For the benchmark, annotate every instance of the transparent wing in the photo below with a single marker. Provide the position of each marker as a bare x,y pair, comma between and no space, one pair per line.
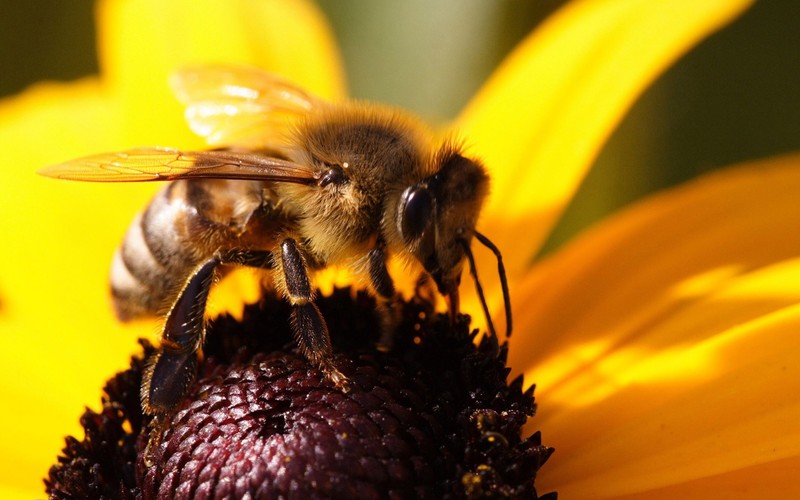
164,164
239,104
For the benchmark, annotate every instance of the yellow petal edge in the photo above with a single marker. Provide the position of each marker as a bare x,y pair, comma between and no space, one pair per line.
542,118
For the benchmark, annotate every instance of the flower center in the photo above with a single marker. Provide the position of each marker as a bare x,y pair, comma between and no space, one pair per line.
433,416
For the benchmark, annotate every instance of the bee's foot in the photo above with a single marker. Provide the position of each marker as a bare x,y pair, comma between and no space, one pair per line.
156,428
338,378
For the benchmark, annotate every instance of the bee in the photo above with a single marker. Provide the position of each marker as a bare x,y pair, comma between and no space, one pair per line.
298,184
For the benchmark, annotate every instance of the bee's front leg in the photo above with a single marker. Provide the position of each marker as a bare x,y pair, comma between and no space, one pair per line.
308,325
382,283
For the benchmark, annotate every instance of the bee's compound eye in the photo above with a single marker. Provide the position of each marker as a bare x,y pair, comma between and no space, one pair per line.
334,175
416,212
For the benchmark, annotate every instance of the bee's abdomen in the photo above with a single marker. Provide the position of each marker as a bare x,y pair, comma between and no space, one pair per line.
148,269
185,224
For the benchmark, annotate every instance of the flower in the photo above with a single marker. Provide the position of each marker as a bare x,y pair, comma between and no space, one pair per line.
668,327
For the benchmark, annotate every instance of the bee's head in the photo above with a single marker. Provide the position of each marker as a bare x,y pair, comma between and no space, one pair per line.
436,220
436,217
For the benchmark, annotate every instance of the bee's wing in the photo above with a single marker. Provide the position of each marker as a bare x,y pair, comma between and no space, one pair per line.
163,164
238,104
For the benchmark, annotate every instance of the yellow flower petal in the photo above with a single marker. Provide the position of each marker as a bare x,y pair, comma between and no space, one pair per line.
632,269
54,274
766,480
681,415
542,118
663,340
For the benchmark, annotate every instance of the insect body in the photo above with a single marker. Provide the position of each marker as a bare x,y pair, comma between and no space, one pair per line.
309,184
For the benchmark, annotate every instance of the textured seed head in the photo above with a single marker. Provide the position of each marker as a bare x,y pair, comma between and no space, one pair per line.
433,417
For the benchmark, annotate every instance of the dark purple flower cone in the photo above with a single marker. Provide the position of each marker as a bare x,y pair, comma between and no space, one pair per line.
432,418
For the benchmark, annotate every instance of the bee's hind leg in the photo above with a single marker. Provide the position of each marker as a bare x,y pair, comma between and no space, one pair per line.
308,325
170,372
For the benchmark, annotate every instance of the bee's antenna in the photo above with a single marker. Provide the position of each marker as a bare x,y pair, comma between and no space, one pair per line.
474,271
501,271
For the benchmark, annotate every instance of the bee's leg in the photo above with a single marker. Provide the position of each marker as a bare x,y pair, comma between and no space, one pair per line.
384,289
308,325
171,370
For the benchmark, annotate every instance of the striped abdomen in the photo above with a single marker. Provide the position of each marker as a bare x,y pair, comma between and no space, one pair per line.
185,223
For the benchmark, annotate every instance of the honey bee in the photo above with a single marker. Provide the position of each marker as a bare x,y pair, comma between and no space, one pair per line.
301,184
